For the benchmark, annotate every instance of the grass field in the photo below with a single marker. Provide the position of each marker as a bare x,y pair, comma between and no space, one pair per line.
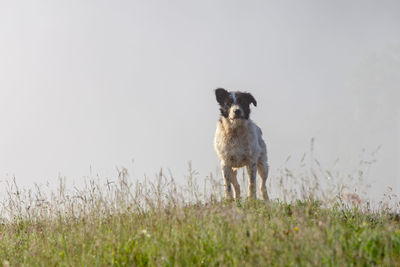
224,234
161,224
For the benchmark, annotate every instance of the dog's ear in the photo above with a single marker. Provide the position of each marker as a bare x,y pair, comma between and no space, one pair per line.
250,99
221,94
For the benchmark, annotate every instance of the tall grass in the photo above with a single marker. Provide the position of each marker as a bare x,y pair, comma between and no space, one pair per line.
312,219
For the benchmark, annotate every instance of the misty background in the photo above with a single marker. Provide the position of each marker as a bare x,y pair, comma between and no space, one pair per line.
88,86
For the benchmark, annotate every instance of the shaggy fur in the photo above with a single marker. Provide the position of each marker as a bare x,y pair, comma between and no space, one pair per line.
238,143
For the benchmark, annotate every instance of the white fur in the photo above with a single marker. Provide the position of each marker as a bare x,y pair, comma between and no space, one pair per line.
233,97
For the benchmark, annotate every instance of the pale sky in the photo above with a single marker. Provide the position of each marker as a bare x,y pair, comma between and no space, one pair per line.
99,84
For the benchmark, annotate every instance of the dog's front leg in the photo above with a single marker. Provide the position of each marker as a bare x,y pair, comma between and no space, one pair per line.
227,173
252,172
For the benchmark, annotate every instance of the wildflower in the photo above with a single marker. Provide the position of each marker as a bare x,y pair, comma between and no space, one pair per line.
296,229
145,233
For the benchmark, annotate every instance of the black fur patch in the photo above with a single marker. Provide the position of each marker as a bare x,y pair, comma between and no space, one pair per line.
225,100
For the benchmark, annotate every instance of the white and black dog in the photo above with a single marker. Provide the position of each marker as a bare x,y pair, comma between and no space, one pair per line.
238,143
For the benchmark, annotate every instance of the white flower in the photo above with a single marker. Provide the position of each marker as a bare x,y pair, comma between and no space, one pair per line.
145,233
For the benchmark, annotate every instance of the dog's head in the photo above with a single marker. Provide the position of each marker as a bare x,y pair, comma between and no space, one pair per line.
234,105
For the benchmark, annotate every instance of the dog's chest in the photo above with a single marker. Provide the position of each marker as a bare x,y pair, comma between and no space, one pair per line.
233,147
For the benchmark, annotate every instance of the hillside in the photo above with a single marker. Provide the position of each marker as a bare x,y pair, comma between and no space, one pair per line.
140,224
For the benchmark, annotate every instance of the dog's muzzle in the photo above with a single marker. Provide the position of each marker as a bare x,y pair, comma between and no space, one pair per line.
235,113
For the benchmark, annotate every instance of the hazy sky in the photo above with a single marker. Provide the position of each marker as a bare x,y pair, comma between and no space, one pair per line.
102,83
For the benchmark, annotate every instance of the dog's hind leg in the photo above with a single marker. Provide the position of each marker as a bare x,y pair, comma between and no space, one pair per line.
235,184
227,173
252,172
263,172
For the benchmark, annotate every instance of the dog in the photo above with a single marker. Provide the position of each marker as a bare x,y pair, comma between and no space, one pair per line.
238,142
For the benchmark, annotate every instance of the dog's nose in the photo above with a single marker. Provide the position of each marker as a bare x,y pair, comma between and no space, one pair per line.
237,112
